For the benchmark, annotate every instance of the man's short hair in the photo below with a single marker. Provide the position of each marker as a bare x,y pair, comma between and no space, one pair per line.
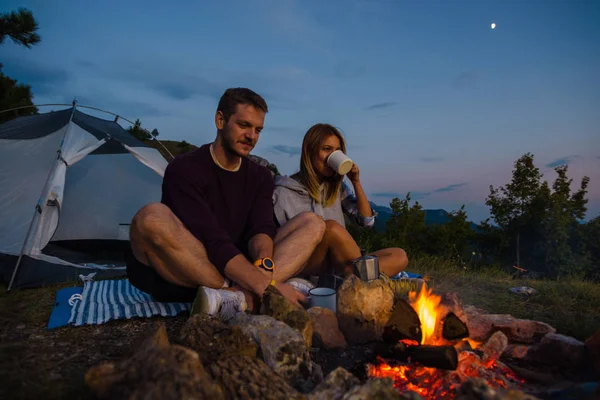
234,96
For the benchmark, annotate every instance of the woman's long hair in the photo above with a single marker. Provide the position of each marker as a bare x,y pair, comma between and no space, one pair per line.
307,176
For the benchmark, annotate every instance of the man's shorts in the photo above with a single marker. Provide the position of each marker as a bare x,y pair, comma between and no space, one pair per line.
148,280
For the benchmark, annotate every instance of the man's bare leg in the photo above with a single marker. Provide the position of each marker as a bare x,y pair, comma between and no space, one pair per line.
161,241
295,242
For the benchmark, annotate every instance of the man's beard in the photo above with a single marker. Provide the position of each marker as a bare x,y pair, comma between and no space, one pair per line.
231,148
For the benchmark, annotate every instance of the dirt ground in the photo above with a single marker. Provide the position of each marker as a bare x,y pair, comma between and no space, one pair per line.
39,363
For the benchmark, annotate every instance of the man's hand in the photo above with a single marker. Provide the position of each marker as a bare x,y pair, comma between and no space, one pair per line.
290,293
354,174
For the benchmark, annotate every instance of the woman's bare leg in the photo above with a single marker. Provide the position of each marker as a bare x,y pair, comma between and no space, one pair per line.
334,253
391,261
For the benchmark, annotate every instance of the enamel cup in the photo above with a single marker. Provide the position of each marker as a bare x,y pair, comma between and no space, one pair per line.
322,297
340,162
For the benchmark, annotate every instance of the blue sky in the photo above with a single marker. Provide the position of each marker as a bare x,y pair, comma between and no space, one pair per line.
430,98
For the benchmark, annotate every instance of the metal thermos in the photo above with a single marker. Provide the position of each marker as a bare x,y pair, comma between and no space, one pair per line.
366,267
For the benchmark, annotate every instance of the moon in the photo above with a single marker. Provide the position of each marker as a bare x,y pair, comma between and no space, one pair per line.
493,25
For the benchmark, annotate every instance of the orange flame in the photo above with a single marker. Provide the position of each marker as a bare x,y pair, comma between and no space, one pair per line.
426,305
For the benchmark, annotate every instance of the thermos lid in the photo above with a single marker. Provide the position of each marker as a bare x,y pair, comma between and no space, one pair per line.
365,257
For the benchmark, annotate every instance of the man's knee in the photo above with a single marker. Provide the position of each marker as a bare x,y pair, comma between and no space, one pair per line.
151,222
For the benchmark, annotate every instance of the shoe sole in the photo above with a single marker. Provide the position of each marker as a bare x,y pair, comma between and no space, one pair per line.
203,303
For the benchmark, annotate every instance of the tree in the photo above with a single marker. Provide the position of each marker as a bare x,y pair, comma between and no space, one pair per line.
13,95
586,241
140,133
451,239
406,227
519,209
20,26
540,226
564,213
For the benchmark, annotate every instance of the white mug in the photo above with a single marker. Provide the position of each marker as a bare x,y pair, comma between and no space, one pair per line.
322,297
340,162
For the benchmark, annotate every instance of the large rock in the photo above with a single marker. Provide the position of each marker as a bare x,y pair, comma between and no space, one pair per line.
275,305
213,339
516,351
375,389
326,332
335,385
283,349
558,350
592,347
250,378
363,309
157,370
482,326
479,389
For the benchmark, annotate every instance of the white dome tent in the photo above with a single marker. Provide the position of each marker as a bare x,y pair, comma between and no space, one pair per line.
70,183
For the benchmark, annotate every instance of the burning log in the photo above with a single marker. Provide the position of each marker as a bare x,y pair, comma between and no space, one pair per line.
404,323
454,328
493,348
440,357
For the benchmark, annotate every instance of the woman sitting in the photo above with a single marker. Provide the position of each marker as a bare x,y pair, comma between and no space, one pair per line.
320,189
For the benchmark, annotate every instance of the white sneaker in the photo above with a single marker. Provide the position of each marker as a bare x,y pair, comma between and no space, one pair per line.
223,303
302,285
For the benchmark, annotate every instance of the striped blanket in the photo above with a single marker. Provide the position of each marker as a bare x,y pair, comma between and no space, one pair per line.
102,301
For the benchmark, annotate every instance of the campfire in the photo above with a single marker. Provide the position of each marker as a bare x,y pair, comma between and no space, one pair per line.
426,349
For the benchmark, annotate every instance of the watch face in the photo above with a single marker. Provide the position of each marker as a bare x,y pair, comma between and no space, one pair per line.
268,263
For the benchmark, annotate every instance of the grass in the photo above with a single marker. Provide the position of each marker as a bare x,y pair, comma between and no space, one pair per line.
571,306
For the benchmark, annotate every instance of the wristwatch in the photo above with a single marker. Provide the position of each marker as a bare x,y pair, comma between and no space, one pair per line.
265,263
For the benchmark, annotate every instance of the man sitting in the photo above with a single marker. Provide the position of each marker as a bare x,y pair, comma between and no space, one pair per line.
214,227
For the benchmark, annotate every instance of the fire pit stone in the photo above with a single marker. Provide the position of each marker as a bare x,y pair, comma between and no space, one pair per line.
277,306
213,339
592,345
283,349
482,326
326,333
156,370
364,308
335,385
558,350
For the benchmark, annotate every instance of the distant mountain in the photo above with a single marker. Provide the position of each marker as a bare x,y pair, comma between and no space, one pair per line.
432,217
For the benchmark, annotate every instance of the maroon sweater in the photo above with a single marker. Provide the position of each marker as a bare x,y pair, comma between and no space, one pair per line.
222,209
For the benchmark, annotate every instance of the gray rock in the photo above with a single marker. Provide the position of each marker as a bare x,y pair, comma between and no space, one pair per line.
559,350
335,385
283,349
375,389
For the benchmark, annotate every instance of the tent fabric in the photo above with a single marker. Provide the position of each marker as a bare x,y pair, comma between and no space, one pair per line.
63,180
34,126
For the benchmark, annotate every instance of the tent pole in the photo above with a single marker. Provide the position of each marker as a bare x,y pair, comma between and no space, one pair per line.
38,206
163,146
